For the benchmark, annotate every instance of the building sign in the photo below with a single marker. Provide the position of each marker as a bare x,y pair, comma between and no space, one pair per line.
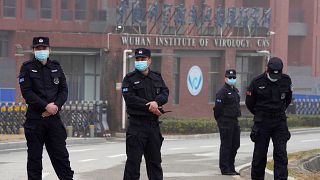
249,19
170,41
194,80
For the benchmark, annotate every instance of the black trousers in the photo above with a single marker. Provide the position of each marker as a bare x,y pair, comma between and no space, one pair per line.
143,138
51,132
230,142
262,131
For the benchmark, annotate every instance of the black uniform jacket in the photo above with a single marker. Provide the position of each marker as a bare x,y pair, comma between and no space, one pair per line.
227,103
41,85
265,98
138,90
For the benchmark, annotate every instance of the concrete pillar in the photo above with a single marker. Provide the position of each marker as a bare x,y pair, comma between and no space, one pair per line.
91,130
230,59
21,130
69,131
279,41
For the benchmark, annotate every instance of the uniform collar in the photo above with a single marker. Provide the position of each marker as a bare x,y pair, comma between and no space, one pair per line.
230,88
39,64
139,74
150,74
268,80
227,86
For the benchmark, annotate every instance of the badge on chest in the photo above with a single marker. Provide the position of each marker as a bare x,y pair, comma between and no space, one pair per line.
56,80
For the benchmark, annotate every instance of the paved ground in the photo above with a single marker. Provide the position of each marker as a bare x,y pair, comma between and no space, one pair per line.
11,137
186,158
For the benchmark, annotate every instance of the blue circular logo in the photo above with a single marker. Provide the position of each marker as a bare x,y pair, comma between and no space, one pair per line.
195,80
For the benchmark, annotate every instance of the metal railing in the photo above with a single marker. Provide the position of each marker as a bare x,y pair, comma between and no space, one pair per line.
307,106
78,117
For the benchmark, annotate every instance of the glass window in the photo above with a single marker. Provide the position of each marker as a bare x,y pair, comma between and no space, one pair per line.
4,44
156,63
247,68
97,87
92,82
81,7
64,4
214,78
89,87
45,11
176,81
99,12
66,12
242,76
9,8
30,10
29,4
89,65
83,76
98,67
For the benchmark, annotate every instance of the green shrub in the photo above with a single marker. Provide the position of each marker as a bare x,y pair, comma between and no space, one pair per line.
188,126
208,125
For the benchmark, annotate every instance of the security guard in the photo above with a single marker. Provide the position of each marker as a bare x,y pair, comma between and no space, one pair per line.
43,86
144,92
226,112
268,97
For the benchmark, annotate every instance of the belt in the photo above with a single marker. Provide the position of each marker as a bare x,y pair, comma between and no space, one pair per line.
144,119
270,114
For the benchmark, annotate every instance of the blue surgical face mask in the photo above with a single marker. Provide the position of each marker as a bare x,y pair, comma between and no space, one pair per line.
141,65
41,55
231,82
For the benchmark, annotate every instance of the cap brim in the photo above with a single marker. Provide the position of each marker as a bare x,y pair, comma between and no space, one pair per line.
275,76
140,56
37,45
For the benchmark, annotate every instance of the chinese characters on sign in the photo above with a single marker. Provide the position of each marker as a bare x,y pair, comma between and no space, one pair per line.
220,19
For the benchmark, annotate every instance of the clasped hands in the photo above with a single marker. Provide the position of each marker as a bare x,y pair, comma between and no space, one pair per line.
153,107
51,109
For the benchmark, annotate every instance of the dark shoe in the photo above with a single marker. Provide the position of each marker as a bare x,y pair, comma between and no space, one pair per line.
229,173
236,173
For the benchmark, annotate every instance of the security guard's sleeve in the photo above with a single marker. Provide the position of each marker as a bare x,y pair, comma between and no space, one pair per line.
251,98
62,91
218,108
289,94
132,100
30,97
162,97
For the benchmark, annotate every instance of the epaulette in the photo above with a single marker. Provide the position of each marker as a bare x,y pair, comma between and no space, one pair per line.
131,73
157,73
55,62
28,62
258,77
286,76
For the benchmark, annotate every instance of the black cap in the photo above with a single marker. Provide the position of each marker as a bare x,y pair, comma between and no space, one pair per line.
231,73
142,52
275,66
40,41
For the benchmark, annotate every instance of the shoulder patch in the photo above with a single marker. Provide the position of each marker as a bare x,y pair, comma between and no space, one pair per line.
125,89
21,80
